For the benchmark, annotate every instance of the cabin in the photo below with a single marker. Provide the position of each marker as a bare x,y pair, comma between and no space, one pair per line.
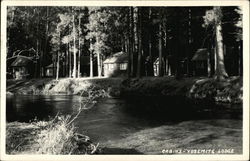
156,66
116,65
49,70
22,68
200,59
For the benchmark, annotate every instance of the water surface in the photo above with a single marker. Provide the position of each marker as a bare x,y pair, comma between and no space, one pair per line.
133,126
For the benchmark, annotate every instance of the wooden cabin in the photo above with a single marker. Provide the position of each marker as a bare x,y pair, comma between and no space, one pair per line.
22,68
200,59
156,66
116,65
49,70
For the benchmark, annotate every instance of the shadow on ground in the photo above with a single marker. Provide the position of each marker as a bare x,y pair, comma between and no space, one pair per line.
119,151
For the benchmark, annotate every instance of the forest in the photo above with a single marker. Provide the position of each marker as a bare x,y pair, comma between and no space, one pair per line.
176,80
162,40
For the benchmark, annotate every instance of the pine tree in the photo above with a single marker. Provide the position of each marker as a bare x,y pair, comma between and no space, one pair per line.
220,72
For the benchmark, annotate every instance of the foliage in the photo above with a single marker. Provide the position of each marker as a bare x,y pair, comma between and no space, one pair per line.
98,31
227,91
175,32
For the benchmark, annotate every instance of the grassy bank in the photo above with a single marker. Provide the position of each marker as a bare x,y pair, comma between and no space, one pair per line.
227,91
51,137
65,86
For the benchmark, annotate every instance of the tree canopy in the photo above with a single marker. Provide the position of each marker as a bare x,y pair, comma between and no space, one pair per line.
62,36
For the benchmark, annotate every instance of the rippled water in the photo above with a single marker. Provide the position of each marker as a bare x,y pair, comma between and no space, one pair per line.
134,125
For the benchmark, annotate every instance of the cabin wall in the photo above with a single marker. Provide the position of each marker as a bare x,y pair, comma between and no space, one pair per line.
200,68
20,73
115,69
49,72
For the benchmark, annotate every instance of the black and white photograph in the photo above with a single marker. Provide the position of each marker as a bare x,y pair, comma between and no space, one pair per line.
121,78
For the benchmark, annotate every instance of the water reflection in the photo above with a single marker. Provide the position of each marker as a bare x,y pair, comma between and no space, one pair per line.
26,108
114,119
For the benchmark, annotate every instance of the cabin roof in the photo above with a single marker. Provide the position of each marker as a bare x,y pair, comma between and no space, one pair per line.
120,57
49,66
21,61
200,55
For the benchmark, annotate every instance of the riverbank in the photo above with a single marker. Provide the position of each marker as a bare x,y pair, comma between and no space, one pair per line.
57,136
227,91
207,89
65,86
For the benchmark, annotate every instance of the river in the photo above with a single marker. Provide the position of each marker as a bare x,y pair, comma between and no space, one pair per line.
132,127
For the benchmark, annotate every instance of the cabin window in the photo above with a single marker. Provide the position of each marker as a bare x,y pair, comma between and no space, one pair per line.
111,66
123,66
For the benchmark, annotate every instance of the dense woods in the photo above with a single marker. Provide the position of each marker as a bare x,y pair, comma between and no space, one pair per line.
159,41
165,62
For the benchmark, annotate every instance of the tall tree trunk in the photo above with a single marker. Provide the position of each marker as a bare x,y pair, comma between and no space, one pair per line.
139,61
212,60
37,74
240,67
64,67
98,59
168,67
46,40
131,54
135,16
126,44
209,65
58,58
130,44
91,61
101,64
151,64
79,64
57,66
91,65
123,45
70,62
79,52
189,40
54,66
74,56
215,59
129,59
220,72
165,65
160,50
98,64
37,46
66,61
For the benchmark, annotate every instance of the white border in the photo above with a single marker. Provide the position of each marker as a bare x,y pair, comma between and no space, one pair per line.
243,3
